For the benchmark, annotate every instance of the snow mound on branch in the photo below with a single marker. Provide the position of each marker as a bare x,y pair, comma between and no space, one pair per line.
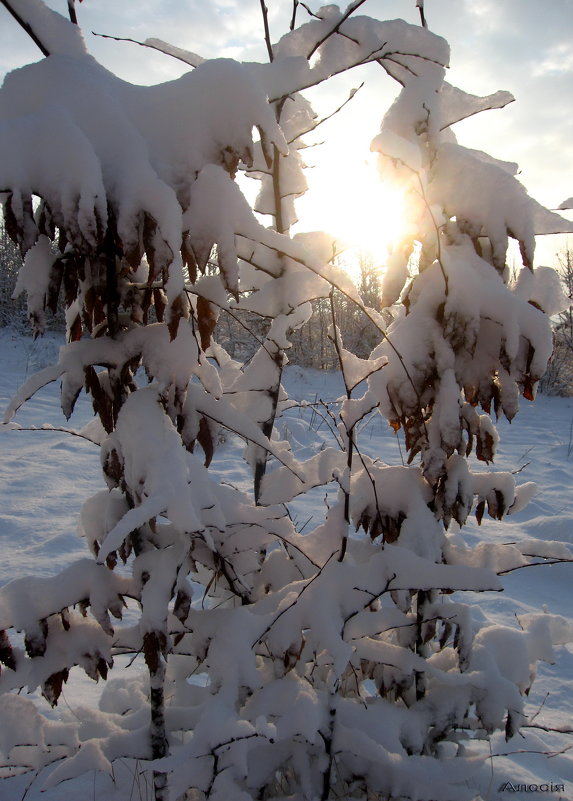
404,50
489,201
58,35
102,145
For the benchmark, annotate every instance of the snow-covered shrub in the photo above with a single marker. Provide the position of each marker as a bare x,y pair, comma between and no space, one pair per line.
280,664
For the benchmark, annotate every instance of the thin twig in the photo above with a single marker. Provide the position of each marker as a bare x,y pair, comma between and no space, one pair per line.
332,426
72,11
328,117
288,542
359,304
308,10
350,10
533,564
296,600
422,194
58,429
374,597
349,431
553,729
36,774
295,4
26,26
372,481
391,57
548,754
265,13
541,705
250,439
190,290
314,79
191,59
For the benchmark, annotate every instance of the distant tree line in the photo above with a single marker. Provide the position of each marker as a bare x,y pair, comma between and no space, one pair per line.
558,380
13,310
241,332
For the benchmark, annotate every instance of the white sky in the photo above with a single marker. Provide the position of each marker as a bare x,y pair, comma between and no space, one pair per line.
524,46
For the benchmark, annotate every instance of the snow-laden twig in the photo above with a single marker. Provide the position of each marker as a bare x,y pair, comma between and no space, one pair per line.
350,297
352,7
295,602
533,564
186,56
315,125
35,35
47,428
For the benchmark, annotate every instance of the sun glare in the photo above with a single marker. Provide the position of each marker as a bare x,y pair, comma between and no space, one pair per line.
365,215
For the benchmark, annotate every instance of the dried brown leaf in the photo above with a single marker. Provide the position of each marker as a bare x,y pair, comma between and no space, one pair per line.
182,605
52,687
206,321
6,653
205,440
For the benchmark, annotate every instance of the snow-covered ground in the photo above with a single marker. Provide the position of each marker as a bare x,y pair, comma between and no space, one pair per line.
45,475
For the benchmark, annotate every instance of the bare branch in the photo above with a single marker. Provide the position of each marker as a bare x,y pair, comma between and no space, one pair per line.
533,564
554,729
190,290
244,436
295,4
532,718
265,13
331,423
59,429
308,10
520,469
420,7
370,477
291,544
373,597
8,4
72,11
548,754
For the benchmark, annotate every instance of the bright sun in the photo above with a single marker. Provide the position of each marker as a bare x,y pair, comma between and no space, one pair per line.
365,215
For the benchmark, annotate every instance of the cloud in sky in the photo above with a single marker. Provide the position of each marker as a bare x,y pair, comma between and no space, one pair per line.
558,59
520,45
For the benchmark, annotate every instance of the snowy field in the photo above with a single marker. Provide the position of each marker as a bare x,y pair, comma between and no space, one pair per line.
45,475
